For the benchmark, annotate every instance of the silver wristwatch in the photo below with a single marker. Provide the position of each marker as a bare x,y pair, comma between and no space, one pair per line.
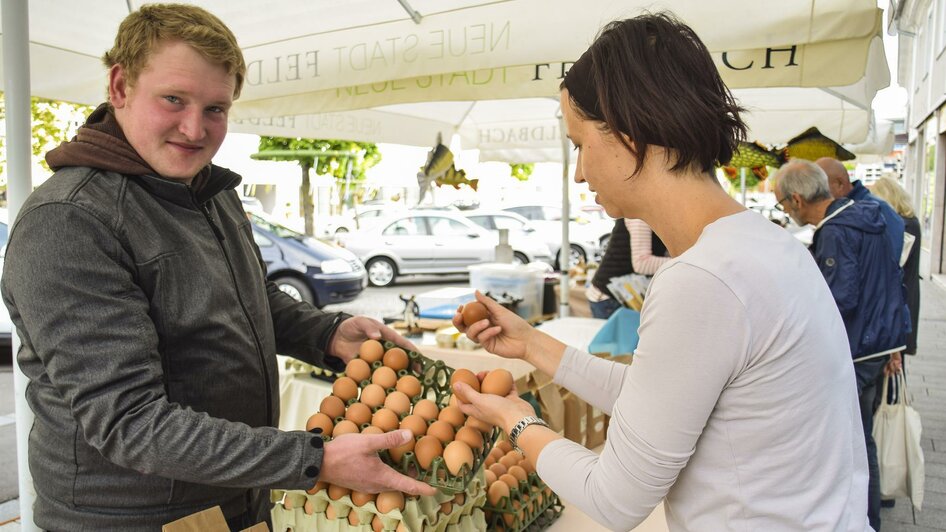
521,426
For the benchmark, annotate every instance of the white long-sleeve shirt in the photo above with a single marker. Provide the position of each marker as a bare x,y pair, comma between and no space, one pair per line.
740,407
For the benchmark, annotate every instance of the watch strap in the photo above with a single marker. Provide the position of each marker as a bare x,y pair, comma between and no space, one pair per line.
521,426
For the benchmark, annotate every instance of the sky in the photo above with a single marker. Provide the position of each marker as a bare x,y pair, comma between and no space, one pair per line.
890,102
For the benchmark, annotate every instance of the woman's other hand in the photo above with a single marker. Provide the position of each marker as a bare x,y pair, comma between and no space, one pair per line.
502,333
503,412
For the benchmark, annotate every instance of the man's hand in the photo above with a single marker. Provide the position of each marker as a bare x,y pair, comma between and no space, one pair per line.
894,365
352,461
355,330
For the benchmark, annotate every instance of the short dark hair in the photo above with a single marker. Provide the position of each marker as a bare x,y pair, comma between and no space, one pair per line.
656,83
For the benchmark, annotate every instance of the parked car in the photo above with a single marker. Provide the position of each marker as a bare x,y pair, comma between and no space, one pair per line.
599,223
519,227
307,268
584,240
362,217
431,242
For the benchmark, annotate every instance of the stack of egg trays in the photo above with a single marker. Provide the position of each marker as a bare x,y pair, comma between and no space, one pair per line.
317,372
434,377
538,508
303,512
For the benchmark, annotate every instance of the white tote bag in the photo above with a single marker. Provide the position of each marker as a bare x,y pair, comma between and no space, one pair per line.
897,432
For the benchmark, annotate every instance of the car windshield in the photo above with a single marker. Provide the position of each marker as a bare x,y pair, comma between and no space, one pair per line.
275,228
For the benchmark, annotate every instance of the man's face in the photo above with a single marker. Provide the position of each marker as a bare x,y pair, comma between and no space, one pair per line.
789,205
175,114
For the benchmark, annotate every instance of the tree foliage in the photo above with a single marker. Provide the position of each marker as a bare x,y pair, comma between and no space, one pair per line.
521,171
53,122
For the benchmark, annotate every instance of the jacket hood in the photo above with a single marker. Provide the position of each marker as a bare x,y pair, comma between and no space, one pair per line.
863,216
100,143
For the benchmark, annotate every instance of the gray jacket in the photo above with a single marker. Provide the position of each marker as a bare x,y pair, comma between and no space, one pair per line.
149,335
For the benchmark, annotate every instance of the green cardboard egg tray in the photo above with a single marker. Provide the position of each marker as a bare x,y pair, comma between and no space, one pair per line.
434,377
541,508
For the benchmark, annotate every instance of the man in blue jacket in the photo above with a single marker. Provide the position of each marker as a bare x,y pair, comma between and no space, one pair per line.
839,182
853,251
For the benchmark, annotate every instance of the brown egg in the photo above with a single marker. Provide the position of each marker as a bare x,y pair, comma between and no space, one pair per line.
504,446
497,490
358,370
527,465
473,312
427,409
359,414
498,469
510,480
457,454
401,527
464,375
508,461
371,350
446,507
398,402
496,453
518,472
497,382
371,429
385,419
353,519
479,425
320,421
345,426
453,401
490,477
308,508
373,395
395,358
471,437
441,430
459,498
337,492
360,498
330,512
426,449
453,416
333,407
409,386
389,501
414,423
376,524
489,459
398,452
345,388
384,377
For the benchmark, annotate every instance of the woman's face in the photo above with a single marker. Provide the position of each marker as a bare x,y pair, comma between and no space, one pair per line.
603,162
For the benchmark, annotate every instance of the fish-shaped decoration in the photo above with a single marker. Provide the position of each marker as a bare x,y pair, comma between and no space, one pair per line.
755,156
439,170
812,145
455,178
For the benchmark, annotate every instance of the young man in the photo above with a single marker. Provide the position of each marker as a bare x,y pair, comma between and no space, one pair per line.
148,329
853,252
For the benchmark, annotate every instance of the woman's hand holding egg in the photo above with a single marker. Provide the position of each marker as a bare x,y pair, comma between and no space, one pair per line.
498,404
499,330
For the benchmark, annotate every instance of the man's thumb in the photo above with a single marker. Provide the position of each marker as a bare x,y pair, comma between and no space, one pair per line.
388,440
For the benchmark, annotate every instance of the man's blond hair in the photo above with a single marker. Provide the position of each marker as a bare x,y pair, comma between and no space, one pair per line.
146,29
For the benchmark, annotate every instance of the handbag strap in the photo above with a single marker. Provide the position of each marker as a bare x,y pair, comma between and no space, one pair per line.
902,388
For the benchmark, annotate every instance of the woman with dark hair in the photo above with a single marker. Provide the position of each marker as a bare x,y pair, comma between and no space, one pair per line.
740,409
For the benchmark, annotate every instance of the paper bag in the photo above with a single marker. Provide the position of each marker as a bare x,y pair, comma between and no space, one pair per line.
209,520
549,396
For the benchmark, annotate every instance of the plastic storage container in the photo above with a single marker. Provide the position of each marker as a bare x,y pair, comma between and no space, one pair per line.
443,302
521,281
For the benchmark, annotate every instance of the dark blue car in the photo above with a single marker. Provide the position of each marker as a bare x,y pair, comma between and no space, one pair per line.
306,268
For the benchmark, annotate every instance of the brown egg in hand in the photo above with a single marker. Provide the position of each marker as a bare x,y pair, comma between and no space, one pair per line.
497,382
473,312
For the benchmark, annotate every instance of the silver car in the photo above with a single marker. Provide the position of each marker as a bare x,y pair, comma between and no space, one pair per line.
431,242
547,220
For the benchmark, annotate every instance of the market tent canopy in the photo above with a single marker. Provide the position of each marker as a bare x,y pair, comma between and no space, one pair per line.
296,47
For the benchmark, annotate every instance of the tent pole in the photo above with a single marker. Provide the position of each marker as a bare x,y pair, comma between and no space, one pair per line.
564,255
16,86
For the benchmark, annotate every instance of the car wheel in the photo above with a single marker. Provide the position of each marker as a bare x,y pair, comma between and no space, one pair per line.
576,255
381,271
341,230
295,288
605,240
519,257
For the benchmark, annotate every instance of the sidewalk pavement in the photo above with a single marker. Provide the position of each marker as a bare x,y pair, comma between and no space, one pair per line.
926,374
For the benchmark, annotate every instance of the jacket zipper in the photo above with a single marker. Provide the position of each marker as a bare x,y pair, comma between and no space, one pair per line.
204,208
